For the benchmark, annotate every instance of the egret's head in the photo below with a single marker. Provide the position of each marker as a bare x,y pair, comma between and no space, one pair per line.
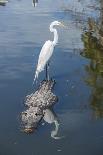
57,23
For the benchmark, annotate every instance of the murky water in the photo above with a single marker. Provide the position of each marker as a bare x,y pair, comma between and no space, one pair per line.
76,65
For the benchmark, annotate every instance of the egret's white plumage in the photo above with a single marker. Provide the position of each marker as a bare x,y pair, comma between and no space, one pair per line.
47,49
44,57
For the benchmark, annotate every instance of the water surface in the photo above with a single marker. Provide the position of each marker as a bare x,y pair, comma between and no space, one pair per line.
76,65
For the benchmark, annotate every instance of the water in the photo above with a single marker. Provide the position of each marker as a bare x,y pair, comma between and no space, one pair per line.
78,73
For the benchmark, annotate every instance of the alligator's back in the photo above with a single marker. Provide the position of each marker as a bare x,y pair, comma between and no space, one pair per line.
36,103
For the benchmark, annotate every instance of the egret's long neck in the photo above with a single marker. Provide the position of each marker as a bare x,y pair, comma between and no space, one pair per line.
52,29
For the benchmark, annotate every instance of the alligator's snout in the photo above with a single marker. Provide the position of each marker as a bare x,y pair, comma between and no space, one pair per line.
28,130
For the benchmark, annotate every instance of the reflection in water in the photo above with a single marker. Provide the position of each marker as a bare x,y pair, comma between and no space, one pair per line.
34,3
93,50
30,119
86,7
37,108
3,2
50,117
22,32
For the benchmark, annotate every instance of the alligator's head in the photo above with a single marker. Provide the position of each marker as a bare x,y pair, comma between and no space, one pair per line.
30,119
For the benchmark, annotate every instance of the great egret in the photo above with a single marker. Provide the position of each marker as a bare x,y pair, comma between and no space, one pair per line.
47,50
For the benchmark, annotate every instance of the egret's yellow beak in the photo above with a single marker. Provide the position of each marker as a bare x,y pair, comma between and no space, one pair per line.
62,24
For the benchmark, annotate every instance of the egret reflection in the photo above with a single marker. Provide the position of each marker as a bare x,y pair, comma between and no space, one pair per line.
51,118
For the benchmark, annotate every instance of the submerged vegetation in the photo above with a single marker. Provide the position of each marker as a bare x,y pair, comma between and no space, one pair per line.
93,50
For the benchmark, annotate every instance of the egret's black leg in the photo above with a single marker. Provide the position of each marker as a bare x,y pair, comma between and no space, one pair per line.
47,71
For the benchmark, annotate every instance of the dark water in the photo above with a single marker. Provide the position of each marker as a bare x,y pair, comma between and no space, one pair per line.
76,65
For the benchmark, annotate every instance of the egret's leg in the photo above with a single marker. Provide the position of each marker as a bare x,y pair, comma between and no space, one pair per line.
47,71
48,78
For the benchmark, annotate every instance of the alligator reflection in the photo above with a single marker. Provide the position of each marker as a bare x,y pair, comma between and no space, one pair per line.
93,50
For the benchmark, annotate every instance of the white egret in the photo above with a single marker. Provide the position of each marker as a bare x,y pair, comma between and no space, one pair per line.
47,51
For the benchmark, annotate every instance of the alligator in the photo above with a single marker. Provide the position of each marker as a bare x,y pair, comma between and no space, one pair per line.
36,104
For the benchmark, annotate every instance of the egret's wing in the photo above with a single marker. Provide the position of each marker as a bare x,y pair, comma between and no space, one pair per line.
45,54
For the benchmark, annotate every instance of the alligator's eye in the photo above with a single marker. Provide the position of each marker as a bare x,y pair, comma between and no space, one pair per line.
25,113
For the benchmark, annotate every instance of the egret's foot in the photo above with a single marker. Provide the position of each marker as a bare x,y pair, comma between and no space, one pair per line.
53,80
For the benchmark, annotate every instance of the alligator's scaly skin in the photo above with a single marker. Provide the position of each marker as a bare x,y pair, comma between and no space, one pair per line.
36,104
